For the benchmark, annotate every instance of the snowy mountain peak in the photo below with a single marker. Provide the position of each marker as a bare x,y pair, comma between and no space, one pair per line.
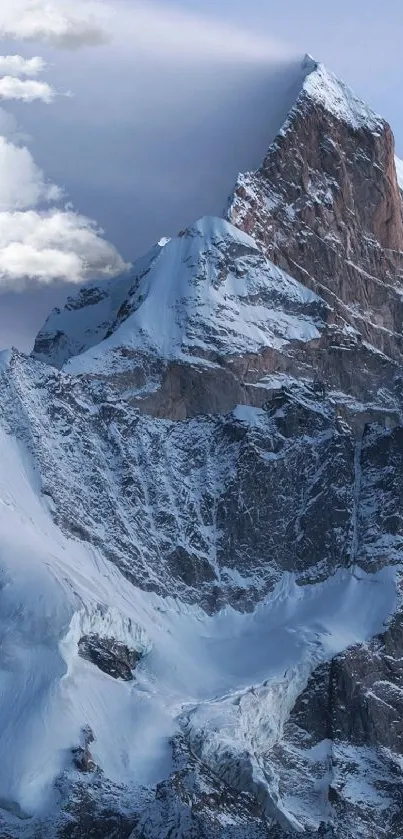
208,292
324,88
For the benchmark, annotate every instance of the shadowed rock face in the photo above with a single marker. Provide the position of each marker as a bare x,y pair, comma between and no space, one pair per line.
330,191
348,722
252,432
82,757
112,657
326,206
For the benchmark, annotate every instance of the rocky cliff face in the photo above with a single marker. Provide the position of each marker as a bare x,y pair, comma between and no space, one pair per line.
326,206
201,518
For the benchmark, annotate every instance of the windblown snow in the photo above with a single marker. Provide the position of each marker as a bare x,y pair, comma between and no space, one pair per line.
228,678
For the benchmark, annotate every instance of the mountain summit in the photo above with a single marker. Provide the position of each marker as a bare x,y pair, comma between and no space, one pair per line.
201,517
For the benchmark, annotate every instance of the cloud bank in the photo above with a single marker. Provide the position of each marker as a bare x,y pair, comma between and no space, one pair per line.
40,241
13,85
44,245
54,245
63,23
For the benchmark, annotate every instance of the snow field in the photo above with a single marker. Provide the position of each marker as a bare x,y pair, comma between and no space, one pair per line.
227,681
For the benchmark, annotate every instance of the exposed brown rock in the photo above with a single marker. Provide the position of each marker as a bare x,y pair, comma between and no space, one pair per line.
82,757
325,206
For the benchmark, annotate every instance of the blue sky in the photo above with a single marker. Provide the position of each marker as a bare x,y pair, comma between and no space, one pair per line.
359,39
169,105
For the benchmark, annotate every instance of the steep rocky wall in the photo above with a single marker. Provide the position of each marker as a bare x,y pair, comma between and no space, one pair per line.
325,205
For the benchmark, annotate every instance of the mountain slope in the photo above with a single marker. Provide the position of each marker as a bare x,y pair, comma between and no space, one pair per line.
235,673
209,291
193,315
201,518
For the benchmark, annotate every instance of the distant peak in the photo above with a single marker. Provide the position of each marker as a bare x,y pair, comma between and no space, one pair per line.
326,89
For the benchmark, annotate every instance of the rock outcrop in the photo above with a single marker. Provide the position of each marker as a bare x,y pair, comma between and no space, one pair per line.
111,656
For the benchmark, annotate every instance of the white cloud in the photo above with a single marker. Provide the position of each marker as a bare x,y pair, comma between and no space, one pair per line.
57,245
44,245
62,23
39,244
17,66
22,183
26,90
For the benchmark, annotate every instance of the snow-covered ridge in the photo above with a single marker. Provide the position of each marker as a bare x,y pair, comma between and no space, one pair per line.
335,96
89,314
210,290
